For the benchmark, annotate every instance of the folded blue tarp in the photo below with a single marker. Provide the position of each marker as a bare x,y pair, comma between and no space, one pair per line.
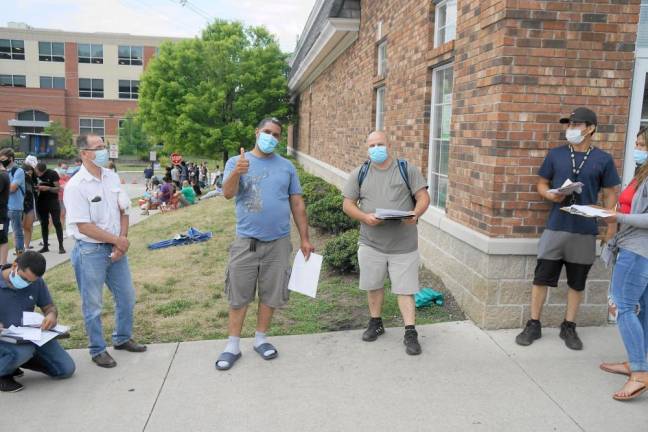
192,236
428,296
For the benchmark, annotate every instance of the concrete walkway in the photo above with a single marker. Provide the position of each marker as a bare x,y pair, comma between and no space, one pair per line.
466,380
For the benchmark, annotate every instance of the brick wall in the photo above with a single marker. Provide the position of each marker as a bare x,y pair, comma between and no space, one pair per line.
519,65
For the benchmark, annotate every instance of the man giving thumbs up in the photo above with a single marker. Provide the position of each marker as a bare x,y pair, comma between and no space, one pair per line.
267,191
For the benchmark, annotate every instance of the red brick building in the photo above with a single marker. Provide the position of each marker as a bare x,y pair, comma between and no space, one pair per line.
86,81
471,93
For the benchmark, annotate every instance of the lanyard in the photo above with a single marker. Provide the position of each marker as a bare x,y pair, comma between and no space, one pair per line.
576,171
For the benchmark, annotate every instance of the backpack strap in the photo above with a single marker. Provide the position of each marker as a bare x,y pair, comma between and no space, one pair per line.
13,172
402,167
362,174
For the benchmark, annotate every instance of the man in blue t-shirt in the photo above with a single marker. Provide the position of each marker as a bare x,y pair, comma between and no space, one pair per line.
570,240
16,202
267,192
22,289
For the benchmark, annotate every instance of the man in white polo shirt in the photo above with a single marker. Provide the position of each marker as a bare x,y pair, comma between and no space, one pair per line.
97,218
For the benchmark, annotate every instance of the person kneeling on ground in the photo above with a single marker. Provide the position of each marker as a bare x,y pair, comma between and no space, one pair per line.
21,289
188,193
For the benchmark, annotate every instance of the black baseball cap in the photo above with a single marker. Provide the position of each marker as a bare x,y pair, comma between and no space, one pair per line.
581,115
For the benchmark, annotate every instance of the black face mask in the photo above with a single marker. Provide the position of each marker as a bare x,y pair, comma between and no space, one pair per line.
5,163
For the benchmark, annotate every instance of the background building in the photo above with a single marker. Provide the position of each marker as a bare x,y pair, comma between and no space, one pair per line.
87,81
471,93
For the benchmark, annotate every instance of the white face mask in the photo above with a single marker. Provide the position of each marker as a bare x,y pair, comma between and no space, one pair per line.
574,136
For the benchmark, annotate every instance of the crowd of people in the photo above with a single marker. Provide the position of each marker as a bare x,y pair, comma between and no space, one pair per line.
268,193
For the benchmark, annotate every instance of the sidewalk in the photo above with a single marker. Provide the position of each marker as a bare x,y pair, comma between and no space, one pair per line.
465,380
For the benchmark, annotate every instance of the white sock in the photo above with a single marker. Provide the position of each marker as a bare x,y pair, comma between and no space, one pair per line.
233,347
260,339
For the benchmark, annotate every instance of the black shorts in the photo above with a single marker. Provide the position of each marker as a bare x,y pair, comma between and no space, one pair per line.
547,273
4,237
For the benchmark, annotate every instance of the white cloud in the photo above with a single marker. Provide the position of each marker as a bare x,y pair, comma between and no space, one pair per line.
284,18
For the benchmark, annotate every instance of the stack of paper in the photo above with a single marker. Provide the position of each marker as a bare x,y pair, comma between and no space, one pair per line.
587,211
31,331
305,274
386,214
568,188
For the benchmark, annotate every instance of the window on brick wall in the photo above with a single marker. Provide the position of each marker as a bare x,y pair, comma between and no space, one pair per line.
91,126
51,51
380,108
128,89
12,81
90,53
52,82
441,114
382,59
445,21
130,55
91,88
11,49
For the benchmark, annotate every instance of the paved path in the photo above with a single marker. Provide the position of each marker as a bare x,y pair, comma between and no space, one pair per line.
466,380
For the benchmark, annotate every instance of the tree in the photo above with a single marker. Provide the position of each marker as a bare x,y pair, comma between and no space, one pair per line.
206,95
132,138
63,141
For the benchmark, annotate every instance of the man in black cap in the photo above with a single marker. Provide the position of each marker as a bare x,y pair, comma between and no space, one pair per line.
570,240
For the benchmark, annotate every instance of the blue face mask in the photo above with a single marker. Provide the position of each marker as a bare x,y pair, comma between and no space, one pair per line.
378,154
640,156
72,170
17,281
101,158
266,142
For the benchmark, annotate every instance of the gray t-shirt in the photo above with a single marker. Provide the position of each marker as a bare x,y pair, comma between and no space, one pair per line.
386,189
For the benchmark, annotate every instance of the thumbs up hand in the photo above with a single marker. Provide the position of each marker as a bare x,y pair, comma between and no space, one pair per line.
242,165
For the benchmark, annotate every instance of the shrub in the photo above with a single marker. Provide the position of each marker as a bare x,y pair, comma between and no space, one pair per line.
327,215
315,190
341,253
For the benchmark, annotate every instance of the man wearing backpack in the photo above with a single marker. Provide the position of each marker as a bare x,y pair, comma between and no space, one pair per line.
16,197
387,246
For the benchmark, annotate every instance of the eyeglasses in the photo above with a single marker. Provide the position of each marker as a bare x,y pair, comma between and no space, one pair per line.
94,149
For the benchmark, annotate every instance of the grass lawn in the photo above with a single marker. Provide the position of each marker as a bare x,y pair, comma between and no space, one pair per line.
180,289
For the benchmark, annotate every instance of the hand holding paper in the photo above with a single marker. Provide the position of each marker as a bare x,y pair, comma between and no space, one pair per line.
568,188
305,274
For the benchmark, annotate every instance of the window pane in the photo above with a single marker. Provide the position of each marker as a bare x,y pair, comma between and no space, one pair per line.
84,84
84,50
58,49
5,45
45,82
137,54
97,84
443,157
85,131
443,192
97,51
434,189
5,80
123,51
442,16
19,80
40,116
18,46
97,123
85,122
59,82
98,131
44,48
124,86
135,86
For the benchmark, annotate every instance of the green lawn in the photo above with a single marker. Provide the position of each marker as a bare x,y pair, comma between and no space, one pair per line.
180,289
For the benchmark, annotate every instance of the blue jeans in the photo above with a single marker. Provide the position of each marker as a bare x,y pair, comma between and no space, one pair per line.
92,268
629,289
51,359
15,216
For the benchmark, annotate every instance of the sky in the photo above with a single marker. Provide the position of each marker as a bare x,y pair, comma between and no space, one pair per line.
284,18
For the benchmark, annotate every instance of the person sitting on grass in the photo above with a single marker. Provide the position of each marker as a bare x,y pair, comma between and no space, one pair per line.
166,194
151,199
179,199
188,192
21,289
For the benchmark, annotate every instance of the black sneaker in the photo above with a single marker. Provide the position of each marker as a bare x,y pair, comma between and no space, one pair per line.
568,334
531,332
18,373
412,346
374,330
43,249
61,249
9,385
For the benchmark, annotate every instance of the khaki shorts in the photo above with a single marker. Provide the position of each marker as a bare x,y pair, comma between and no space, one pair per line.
268,267
403,270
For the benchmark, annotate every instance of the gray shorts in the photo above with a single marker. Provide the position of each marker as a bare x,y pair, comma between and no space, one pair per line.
402,268
268,267
567,247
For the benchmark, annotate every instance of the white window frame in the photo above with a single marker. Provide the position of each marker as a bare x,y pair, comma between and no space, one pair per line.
379,121
93,126
91,59
51,81
17,55
130,94
439,26
382,58
13,80
50,57
432,159
128,61
103,90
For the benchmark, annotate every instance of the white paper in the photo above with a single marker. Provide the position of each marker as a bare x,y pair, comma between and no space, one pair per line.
392,214
586,211
26,333
568,188
31,319
46,336
305,274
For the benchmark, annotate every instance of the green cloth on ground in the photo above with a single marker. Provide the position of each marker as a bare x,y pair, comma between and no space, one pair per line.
189,194
427,297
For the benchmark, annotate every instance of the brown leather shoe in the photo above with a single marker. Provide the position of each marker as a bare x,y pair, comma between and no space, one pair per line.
104,360
131,346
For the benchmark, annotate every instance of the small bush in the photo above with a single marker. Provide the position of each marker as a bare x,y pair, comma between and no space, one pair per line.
315,190
327,215
341,253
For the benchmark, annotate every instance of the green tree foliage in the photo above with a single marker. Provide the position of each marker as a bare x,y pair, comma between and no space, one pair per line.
132,138
62,136
205,96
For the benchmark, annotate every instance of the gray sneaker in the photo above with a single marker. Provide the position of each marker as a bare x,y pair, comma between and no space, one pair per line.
104,360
